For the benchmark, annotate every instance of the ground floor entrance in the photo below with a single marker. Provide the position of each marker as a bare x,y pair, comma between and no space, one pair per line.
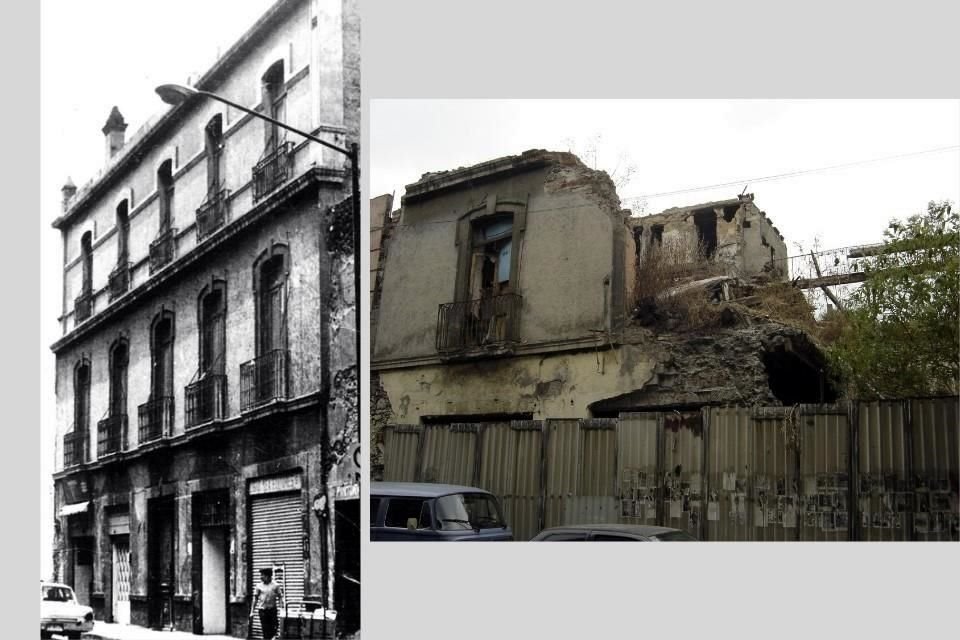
346,586
120,546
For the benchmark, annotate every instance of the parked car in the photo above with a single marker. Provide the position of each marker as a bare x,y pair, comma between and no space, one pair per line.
429,512
613,533
60,612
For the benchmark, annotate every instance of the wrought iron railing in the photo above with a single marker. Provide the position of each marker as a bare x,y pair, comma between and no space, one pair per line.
75,447
119,280
83,306
206,400
156,419
488,322
162,249
112,435
263,379
212,213
272,170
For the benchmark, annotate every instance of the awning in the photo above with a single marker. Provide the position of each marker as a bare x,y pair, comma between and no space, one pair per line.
71,509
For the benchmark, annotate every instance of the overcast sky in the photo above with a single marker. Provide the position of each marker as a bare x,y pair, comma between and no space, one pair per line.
95,55
681,144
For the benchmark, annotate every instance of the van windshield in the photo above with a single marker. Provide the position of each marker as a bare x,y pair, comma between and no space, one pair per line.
469,511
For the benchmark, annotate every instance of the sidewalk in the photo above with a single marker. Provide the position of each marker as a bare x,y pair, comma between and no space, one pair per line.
110,631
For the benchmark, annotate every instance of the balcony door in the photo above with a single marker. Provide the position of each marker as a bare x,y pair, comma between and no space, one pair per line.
161,385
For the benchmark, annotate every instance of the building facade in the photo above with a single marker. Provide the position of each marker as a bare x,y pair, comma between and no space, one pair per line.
206,374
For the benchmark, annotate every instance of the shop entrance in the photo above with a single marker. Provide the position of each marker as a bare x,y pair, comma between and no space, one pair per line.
161,527
346,586
121,579
214,579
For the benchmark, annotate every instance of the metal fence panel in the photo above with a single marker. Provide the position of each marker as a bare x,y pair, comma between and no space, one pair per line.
682,492
773,484
825,487
562,468
449,454
934,427
400,444
637,468
884,498
729,433
510,468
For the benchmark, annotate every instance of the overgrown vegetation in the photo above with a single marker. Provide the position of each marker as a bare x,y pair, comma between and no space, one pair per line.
901,335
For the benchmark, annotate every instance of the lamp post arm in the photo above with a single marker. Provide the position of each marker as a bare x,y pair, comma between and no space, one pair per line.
255,114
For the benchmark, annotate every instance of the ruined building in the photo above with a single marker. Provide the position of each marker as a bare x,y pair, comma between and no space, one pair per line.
516,279
531,337
206,373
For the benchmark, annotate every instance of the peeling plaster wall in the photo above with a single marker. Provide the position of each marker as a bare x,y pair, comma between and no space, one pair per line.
568,246
553,386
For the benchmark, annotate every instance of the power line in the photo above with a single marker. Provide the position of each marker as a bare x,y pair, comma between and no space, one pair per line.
791,174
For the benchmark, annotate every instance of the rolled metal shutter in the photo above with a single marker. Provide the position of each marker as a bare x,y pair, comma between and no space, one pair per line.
277,539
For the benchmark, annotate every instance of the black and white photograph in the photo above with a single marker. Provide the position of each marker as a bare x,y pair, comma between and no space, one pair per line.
201,438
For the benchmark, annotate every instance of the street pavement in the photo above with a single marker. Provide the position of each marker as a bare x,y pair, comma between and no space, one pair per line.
110,631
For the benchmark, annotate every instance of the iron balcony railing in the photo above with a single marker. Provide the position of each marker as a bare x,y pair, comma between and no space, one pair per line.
156,419
112,435
212,213
75,447
263,379
83,306
206,400
119,280
488,322
272,170
162,249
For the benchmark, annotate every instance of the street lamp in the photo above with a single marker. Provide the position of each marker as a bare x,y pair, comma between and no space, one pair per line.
175,94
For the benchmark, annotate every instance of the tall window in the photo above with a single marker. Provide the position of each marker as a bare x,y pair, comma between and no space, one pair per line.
161,339
492,244
274,97
214,148
119,358
272,304
81,396
165,194
123,233
86,254
212,312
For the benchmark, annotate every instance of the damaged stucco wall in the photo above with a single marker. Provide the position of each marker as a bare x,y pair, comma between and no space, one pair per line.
746,240
568,207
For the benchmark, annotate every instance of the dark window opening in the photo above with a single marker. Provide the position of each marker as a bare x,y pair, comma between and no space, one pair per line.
119,360
123,232
86,253
401,510
274,97
656,235
214,148
165,194
272,305
729,212
706,223
212,331
637,238
746,224
81,398
794,379
161,384
492,253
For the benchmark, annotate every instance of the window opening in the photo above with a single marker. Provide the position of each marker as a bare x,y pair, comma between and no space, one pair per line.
706,223
165,194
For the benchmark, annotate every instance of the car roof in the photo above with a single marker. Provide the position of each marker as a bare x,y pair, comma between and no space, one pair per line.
419,489
630,529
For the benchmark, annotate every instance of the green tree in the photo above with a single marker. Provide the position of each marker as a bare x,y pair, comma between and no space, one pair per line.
902,333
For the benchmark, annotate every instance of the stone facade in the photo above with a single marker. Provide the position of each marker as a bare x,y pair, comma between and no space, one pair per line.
274,397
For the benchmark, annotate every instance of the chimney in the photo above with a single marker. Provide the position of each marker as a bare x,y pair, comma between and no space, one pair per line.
113,131
68,189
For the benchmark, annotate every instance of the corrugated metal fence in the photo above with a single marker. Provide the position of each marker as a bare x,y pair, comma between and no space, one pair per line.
854,471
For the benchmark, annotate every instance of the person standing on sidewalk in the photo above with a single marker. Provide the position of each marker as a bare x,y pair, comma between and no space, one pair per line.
267,596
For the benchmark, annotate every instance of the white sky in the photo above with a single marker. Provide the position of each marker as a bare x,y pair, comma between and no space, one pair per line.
95,55
677,144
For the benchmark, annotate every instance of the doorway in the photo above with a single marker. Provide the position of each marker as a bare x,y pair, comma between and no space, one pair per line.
161,527
121,579
213,586
346,588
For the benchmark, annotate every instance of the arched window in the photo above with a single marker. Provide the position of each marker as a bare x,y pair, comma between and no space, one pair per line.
119,359
86,254
265,378
75,443
156,415
123,233
206,395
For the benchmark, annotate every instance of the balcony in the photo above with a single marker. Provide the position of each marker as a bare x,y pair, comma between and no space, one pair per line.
119,280
487,323
263,379
212,213
74,447
156,419
272,170
111,435
83,306
206,400
162,249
